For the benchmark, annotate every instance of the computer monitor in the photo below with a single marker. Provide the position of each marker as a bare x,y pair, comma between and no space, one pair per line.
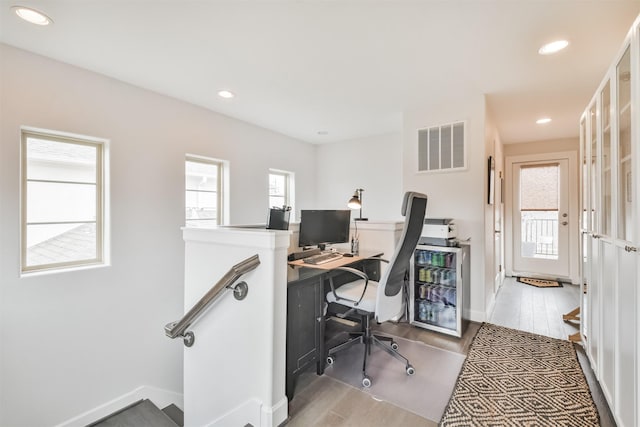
319,227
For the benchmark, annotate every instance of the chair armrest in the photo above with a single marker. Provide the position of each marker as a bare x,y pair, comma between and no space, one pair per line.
375,258
355,272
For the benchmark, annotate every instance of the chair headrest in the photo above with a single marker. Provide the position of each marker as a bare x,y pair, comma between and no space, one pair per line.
410,195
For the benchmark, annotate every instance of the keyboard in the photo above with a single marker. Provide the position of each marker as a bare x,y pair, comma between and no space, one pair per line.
322,258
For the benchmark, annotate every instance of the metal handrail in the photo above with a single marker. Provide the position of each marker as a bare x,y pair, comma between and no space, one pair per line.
178,328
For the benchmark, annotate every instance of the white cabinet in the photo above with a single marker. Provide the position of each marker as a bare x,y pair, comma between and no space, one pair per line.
610,153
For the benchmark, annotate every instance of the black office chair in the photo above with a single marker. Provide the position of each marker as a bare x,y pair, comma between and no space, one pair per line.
383,300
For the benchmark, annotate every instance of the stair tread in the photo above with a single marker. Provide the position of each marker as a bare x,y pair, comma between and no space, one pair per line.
144,413
175,413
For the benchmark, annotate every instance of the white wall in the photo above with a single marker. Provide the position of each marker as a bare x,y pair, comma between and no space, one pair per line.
71,341
373,164
461,194
493,215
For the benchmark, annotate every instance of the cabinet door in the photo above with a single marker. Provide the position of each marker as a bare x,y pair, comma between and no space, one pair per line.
627,264
436,293
626,224
608,250
627,333
303,333
584,227
593,245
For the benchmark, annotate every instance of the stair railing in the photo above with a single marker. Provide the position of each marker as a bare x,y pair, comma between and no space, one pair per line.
240,290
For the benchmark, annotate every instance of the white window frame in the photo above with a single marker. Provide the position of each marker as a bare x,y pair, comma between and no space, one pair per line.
101,198
289,189
222,212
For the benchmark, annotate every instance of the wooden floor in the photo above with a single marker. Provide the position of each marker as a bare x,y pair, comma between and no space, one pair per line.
323,401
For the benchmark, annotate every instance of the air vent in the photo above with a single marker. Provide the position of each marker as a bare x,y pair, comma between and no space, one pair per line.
441,148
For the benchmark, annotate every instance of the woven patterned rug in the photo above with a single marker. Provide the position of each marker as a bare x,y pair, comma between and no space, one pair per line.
515,378
540,283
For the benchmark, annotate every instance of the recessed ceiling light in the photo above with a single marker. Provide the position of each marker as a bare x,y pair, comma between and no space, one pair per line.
543,120
553,47
225,94
31,15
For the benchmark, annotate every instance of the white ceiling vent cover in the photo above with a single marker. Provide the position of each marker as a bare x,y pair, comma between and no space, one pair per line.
442,148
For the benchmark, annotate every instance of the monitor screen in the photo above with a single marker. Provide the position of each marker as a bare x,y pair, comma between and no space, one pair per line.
318,227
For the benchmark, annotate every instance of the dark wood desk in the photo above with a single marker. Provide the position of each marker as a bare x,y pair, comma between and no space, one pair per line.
307,285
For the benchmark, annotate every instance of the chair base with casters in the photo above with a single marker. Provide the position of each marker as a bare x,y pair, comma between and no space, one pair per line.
367,338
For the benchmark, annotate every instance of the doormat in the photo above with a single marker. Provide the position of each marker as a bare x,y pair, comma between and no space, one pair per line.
515,378
540,283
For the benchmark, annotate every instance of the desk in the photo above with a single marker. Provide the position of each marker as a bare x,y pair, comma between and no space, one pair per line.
307,285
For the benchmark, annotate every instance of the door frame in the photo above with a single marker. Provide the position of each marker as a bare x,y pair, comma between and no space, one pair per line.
574,211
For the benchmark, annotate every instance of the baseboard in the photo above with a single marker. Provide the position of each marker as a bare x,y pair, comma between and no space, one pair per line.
492,305
276,415
160,397
477,316
246,413
255,413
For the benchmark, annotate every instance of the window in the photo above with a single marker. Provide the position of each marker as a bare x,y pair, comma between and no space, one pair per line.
204,191
441,148
280,189
62,200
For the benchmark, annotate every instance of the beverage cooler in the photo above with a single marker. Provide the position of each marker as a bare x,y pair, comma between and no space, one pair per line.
439,290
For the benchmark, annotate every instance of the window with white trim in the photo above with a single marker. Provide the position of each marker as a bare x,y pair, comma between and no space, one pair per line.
204,191
62,200
281,189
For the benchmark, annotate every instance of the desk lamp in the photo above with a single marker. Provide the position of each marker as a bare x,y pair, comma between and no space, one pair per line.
356,203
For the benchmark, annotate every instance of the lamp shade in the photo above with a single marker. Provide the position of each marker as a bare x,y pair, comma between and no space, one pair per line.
354,202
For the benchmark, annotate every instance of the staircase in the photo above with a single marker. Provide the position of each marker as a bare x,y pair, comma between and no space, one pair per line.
143,413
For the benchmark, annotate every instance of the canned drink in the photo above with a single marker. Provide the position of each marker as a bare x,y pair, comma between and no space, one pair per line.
427,275
422,291
422,311
446,277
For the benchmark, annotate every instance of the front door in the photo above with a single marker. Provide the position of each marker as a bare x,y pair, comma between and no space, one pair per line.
540,212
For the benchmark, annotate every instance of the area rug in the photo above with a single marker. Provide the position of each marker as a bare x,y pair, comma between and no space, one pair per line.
515,378
424,393
540,283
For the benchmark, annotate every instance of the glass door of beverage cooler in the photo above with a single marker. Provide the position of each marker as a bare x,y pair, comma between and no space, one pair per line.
436,294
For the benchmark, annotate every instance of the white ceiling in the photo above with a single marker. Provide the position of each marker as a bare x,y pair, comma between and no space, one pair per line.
350,68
